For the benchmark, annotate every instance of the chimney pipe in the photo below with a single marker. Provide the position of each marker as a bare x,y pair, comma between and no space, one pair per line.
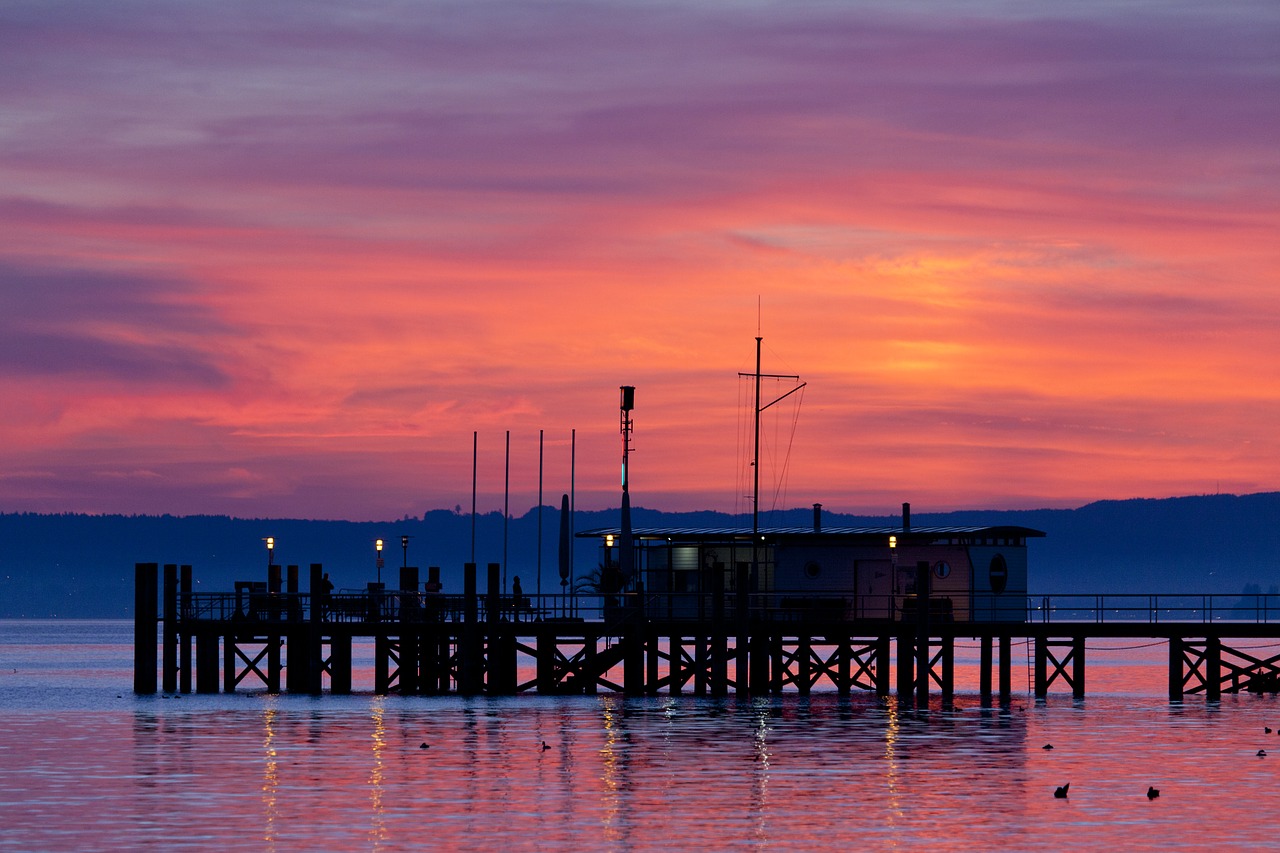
817,518
906,517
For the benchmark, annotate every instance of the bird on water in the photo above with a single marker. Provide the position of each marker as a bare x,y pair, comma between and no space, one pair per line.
1262,753
1152,792
1061,792
1047,746
544,746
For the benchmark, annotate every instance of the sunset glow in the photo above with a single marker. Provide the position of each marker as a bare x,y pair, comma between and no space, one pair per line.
284,259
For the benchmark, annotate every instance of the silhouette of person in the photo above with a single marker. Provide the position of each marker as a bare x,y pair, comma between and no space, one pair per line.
517,594
322,591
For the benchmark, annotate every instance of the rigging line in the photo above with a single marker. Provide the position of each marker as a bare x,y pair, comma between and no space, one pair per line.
786,465
746,391
779,463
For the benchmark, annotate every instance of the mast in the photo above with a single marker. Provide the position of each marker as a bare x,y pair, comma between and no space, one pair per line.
755,459
755,455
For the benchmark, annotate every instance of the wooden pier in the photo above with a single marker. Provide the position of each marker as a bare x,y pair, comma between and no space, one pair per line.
272,635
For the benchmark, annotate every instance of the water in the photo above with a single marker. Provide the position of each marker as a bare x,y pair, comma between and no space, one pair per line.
89,766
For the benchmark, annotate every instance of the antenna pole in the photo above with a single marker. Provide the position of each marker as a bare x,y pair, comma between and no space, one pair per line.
755,456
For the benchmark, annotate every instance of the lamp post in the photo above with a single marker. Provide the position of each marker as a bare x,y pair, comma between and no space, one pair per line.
626,548
404,543
378,545
271,547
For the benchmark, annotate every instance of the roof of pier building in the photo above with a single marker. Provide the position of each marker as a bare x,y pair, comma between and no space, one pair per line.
861,535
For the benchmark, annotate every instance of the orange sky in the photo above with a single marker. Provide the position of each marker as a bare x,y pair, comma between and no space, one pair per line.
284,261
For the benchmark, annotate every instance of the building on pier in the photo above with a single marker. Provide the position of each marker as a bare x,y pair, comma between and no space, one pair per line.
977,573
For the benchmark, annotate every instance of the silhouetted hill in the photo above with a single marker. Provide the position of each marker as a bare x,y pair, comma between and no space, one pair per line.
82,566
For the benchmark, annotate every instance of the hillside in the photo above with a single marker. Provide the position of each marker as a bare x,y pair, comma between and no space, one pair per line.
82,566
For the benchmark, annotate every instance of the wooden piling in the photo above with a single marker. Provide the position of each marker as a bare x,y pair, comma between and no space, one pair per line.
169,648
207,659
469,674
410,626
1006,669
145,624
905,659
1213,668
1176,680
883,651
719,651
742,620
339,661
984,669
923,659
184,635
229,646
273,628
314,650
1077,668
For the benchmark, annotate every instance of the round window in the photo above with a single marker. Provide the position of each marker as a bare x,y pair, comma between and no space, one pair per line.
998,573
941,569
812,570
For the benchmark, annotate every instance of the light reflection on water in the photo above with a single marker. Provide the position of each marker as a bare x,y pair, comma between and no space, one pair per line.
89,766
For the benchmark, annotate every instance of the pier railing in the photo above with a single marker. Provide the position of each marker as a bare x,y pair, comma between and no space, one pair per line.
1173,607
778,606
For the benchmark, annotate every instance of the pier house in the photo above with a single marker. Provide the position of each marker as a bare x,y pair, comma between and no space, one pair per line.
838,573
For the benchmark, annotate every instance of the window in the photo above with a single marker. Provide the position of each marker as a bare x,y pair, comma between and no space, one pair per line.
998,574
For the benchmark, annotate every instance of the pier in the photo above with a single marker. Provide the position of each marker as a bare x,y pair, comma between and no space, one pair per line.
272,635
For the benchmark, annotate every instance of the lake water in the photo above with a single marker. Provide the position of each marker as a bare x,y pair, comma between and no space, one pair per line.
89,766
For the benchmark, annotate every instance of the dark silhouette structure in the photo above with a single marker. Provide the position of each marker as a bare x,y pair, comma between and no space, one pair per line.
710,640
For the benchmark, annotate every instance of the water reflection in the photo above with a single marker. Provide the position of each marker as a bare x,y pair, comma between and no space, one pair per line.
759,807
270,778
288,773
377,826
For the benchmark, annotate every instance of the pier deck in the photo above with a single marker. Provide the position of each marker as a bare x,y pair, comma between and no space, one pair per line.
274,636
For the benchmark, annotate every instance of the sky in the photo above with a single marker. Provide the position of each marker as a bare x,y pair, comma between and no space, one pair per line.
292,259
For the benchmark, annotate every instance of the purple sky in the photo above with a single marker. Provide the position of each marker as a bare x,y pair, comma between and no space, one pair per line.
283,259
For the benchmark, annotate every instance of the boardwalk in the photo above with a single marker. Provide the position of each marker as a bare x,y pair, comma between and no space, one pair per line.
273,635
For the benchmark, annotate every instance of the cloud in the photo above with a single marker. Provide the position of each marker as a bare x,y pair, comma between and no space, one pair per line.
131,329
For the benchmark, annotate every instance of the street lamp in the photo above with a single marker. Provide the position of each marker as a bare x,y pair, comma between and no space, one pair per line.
271,547
404,543
378,544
